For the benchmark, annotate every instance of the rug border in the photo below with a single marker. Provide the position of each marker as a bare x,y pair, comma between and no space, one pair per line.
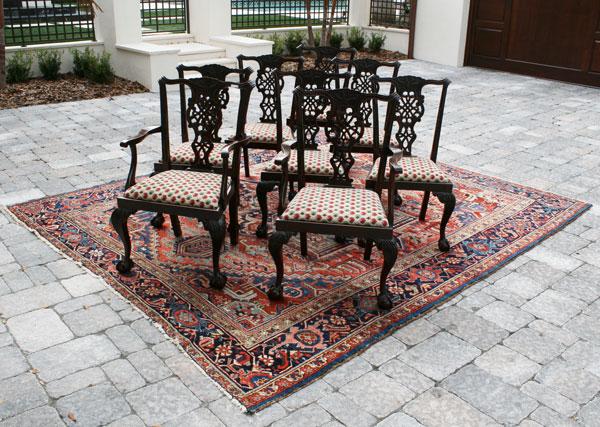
184,343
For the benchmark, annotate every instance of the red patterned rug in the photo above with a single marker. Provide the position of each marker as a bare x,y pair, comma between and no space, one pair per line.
260,351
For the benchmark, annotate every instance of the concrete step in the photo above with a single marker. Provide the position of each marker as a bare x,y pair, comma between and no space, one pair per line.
168,38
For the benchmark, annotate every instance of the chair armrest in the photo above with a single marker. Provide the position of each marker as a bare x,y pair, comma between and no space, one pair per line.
233,143
396,161
141,135
284,155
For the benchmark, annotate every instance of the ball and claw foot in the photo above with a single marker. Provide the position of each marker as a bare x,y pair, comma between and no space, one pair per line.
443,245
157,221
261,231
124,266
340,239
217,281
397,200
384,302
275,293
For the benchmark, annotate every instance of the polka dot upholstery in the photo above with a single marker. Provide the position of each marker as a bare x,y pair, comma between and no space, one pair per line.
266,133
367,139
179,187
351,206
316,162
184,154
415,169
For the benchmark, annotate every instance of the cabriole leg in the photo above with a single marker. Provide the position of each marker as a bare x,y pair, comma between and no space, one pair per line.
424,205
216,229
390,253
449,201
234,221
118,219
246,162
276,242
158,220
262,190
176,226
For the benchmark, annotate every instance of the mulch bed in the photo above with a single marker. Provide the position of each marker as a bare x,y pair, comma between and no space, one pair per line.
67,88
383,56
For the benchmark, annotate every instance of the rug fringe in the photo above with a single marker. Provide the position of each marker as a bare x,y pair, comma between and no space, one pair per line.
16,220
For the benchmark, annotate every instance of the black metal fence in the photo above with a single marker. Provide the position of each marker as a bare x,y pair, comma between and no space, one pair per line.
247,14
390,13
44,21
164,16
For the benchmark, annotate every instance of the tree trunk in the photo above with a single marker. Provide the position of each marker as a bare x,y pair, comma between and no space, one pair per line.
2,48
309,24
324,39
331,18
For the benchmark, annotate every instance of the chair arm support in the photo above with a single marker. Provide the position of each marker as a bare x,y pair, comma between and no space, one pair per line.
396,161
285,153
141,135
281,159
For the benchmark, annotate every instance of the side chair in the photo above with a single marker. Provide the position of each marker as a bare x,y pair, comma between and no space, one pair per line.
203,191
419,173
268,133
338,208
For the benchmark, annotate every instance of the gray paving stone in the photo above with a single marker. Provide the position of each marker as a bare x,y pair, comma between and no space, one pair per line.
550,398
40,275
165,350
406,376
561,335
38,329
77,304
64,359
590,413
92,406
17,280
585,327
5,339
75,382
83,284
581,288
377,393
19,394
149,365
475,301
416,332
348,371
147,331
196,380
123,375
471,328
554,307
399,420
505,315
553,258
130,314
45,416
199,417
12,362
548,418
32,299
307,395
539,348
128,421
126,339
541,272
573,382
33,252
513,368
162,401
309,416
384,350
64,268
490,395
91,320
585,355
346,411
440,355
230,414
515,288
439,408
115,301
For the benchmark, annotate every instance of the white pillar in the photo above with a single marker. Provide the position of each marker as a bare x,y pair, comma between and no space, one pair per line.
441,31
359,13
119,22
209,18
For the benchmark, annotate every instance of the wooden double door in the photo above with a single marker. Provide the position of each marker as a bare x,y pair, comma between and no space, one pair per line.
556,39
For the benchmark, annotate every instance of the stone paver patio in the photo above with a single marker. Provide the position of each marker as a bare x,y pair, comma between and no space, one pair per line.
519,348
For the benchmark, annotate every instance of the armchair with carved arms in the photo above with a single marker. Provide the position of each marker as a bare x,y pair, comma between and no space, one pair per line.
419,173
338,208
269,132
203,191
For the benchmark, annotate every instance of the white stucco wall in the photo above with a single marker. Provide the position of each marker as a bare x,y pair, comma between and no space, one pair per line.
441,31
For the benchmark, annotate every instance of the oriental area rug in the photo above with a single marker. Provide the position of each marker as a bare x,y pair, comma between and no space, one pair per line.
259,351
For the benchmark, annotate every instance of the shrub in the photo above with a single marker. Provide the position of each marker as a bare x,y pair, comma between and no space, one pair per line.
49,62
94,67
357,38
293,39
18,67
376,42
336,40
278,44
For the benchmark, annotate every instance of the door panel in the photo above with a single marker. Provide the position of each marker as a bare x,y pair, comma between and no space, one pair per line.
556,39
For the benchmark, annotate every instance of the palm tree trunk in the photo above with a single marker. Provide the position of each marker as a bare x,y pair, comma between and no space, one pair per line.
2,48
309,24
324,38
331,18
